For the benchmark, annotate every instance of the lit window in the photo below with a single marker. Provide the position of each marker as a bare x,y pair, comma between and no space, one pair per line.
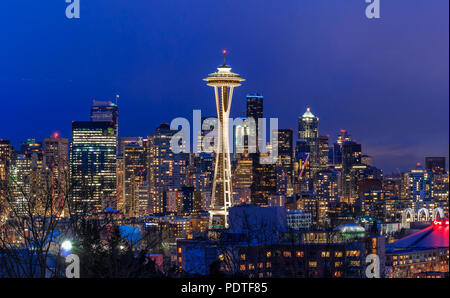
299,254
353,253
242,256
242,267
325,254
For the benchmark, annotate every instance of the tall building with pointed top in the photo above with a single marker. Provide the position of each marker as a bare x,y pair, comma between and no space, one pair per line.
308,131
223,81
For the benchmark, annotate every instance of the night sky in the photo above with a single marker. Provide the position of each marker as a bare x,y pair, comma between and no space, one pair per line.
385,81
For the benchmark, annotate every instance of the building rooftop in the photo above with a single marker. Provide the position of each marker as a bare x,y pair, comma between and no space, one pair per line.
308,113
434,236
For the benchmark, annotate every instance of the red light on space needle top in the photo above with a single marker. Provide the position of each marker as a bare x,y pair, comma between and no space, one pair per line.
56,135
224,52
418,164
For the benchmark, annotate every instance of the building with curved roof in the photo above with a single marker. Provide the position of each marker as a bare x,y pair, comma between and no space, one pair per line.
424,253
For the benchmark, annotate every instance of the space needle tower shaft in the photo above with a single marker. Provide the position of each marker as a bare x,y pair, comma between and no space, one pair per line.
223,81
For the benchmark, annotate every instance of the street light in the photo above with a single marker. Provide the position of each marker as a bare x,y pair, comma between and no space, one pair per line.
66,245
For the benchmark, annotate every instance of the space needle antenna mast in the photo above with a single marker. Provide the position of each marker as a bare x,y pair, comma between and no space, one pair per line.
223,81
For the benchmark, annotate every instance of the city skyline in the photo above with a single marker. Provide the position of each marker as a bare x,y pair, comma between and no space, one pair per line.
344,76
210,142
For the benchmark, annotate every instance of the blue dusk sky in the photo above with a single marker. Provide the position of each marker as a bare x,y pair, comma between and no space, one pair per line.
383,80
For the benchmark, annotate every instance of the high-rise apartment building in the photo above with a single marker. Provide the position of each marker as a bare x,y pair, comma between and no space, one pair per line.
135,170
419,186
56,169
166,169
326,191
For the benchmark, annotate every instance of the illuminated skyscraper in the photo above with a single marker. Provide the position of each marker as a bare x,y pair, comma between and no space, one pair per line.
351,161
419,186
223,81
255,106
5,159
56,168
135,175
324,150
264,180
335,155
31,146
308,130
106,111
440,192
120,178
33,151
93,165
327,194
285,161
21,174
166,170
254,111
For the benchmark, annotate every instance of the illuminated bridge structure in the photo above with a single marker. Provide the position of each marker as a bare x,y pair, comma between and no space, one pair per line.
423,214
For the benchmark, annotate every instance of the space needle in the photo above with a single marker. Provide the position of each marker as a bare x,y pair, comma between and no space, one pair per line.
223,81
